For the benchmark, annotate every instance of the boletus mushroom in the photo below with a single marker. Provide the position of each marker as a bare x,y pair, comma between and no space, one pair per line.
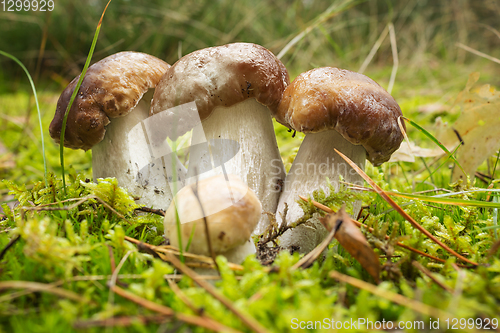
236,88
231,210
113,98
337,109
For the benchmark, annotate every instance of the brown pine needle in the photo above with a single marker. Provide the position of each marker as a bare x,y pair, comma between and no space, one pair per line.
396,207
119,321
412,304
359,224
246,319
166,311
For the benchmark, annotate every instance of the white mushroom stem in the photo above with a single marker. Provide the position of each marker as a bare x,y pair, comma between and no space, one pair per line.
239,253
257,161
315,161
125,155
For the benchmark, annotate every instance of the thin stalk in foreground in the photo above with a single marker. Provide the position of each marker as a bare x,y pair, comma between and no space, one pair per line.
79,83
37,109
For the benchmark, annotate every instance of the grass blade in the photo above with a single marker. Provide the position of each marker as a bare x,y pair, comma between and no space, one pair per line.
436,141
447,201
82,75
37,109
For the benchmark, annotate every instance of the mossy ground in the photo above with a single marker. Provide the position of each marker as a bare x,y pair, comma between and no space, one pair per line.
74,251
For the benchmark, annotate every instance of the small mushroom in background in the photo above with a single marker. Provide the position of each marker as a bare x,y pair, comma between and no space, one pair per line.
231,210
236,88
337,109
113,98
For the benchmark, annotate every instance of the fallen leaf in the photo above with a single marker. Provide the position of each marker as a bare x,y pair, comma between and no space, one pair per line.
478,126
351,239
407,153
433,108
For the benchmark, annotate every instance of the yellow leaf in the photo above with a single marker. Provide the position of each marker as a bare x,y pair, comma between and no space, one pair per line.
478,126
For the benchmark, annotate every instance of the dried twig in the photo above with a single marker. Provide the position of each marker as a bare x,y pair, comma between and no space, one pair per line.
160,212
161,252
45,207
478,53
274,231
405,215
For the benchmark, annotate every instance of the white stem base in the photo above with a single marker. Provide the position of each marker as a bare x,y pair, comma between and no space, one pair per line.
316,160
124,154
236,256
257,162
239,253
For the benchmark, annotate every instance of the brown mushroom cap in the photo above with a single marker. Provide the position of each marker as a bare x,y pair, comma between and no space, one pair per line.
351,103
229,224
221,76
111,88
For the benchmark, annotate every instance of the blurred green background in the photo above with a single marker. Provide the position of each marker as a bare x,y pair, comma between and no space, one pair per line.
54,45
431,66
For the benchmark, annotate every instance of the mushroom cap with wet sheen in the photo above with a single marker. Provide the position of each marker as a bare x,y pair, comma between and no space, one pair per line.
221,76
354,105
231,209
111,88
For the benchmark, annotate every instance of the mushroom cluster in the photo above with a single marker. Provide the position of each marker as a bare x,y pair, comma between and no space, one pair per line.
236,88
227,95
